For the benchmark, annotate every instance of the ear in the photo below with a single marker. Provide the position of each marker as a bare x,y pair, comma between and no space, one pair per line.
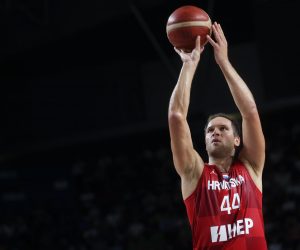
237,141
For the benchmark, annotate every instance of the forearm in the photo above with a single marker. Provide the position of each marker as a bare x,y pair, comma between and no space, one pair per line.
242,95
180,97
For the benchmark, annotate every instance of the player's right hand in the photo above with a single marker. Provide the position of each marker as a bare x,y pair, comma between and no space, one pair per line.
194,55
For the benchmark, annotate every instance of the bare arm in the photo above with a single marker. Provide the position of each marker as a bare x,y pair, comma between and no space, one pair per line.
187,162
253,152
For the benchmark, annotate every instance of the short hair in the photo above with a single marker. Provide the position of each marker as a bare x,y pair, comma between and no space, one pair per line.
231,117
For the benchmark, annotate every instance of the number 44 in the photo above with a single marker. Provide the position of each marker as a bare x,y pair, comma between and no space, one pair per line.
225,205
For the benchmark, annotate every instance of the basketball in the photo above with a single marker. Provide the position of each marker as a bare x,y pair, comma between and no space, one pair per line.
185,24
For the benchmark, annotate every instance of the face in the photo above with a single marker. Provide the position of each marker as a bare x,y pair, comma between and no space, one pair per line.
220,139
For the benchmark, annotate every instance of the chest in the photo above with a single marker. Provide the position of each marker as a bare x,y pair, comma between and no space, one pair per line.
229,191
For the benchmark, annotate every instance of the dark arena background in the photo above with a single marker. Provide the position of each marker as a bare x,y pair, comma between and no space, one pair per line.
85,148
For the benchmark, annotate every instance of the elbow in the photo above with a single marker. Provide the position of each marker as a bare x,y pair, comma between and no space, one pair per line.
251,112
176,119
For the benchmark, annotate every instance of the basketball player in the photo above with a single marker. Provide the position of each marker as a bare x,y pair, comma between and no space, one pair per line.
223,197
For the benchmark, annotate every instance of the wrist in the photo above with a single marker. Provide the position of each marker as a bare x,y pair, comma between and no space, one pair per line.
189,65
224,62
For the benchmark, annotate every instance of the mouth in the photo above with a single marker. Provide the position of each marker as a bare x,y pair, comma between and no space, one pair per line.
215,141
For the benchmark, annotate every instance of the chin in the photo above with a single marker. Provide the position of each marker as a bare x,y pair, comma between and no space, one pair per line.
220,153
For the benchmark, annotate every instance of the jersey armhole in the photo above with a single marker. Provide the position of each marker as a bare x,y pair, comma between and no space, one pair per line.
197,186
252,181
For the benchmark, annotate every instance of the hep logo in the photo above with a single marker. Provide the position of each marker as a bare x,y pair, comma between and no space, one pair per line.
229,231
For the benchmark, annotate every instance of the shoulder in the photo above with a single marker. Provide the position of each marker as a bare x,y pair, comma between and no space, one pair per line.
239,164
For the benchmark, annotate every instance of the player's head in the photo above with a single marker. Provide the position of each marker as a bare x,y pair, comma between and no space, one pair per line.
222,135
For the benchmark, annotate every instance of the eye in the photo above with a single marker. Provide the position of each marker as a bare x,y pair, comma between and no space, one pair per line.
209,130
223,128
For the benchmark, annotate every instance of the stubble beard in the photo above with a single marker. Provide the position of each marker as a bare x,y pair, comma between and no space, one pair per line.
221,152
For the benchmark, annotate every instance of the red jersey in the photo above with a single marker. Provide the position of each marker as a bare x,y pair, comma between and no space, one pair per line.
225,211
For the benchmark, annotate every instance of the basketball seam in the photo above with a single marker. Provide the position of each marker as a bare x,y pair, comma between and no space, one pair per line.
189,23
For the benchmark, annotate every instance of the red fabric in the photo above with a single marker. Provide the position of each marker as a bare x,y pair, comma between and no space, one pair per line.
225,212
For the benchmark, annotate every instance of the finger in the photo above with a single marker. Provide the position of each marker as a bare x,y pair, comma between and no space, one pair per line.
220,32
211,41
177,50
198,43
216,32
220,29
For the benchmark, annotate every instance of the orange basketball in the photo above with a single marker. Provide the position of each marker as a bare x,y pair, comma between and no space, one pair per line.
185,24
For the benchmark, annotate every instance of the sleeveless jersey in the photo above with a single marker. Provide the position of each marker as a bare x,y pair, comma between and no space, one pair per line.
225,211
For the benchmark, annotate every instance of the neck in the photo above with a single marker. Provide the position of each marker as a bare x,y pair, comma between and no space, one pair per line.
222,164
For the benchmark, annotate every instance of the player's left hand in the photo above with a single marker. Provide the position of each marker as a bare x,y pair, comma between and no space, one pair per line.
219,45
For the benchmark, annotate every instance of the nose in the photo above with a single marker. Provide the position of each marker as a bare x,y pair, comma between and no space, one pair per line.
216,131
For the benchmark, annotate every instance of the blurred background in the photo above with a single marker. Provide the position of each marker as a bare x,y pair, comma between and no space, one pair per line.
85,154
